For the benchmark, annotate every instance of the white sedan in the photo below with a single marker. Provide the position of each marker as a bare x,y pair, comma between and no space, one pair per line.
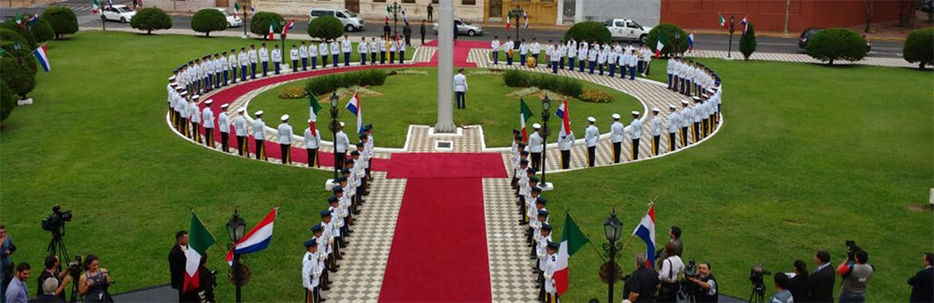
464,28
120,13
232,21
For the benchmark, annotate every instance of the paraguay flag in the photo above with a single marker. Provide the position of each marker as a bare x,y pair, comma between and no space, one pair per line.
646,231
745,24
355,107
562,113
691,42
287,27
257,239
43,57
526,17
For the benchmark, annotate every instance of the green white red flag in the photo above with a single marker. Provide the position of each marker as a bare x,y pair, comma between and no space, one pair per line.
524,114
572,240
199,240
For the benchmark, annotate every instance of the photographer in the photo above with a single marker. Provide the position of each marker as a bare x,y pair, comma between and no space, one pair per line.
94,282
782,295
62,279
856,274
671,268
821,282
799,283
706,282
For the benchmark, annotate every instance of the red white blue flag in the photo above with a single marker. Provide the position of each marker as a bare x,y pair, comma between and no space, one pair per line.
257,239
355,107
646,231
287,27
691,42
43,57
745,24
562,113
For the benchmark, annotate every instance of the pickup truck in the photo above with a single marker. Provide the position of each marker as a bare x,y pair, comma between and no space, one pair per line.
625,29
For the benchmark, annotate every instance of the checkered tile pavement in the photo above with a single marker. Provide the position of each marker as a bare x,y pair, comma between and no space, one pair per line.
800,58
469,140
424,54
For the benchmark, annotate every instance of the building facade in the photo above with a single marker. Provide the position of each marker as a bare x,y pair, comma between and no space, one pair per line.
776,15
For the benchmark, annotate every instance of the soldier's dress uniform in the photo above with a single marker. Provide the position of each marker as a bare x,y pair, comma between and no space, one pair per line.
243,59
311,273
656,130
311,145
264,59
697,113
223,122
346,48
686,121
194,113
324,52
363,49
536,146
494,47
276,58
551,265
341,145
617,134
591,136
674,124
259,136
285,139
294,55
335,52
565,143
303,54
207,118
253,55
242,132
635,133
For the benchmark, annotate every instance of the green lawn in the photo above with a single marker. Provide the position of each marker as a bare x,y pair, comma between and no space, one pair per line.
487,105
809,156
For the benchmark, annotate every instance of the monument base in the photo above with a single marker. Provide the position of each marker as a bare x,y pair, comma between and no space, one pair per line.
547,187
329,184
24,102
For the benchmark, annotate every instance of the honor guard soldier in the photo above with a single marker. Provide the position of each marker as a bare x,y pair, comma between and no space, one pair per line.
232,64
223,122
549,51
523,52
571,52
183,112
244,60
617,134
591,136
686,120
460,89
207,73
612,58
624,63
313,52
276,58
382,50
393,48
324,52
565,143
241,131
264,58
535,49
253,59
601,59
541,253
335,52
671,67
514,153
697,113
220,70
363,49
311,273
674,124
554,56
523,189
551,265
194,113
285,140
311,144
368,147
536,145
592,56
494,47
647,60
635,133
207,117
401,48
536,225
293,54
337,223
327,227
341,144
373,46
346,48
520,148
633,59
303,54
259,136
324,252
656,130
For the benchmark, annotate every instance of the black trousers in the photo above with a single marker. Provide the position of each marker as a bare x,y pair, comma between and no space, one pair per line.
591,154
536,161
617,149
242,146
672,141
696,132
339,160
684,136
286,153
522,210
312,157
565,159
260,149
655,142
209,137
225,142
635,149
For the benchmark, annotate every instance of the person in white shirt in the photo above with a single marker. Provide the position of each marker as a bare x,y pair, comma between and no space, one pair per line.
523,51
591,136
670,268
554,56
194,113
382,51
611,59
293,54
393,49
686,120
341,144
601,59
183,113
374,49
223,122
303,54
674,124
311,272
362,50
571,52
592,56
259,136
220,65
285,140
241,131
276,58
346,48
494,47
536,49
560,52
264,58
671,67
647,59
697,113
460,89
232,64
582,56
402,46
207,116
617,134
565,143
549,51
635,133
335,52
624,63
324,52
633,59
656,130
311,144
508,48
244,60
536,146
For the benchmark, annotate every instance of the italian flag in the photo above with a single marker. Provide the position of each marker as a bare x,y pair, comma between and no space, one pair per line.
507,22
313,108
272,32
722,20
95,6
658,47
199,240
236,9
572,240
524,114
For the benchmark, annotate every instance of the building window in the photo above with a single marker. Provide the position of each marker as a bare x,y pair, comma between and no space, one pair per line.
383,1
434,1
468,2
408,1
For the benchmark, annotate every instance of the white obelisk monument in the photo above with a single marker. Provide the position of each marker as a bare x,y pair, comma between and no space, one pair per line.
445,68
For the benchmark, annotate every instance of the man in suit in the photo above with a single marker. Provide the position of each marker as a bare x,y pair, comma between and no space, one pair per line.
922,283
177,261
821,282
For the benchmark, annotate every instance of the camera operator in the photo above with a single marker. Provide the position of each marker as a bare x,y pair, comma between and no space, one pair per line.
799,283
706,282
782,295
6,266
671,268
821,282
641,285
922,283
856,275
62,279
94,282
674,235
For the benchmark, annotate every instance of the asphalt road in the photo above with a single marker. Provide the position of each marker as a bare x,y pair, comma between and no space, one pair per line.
702,41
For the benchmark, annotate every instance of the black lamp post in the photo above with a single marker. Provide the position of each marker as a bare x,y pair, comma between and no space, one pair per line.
282,37
612,227
546,105
730,47
235,227
335,127
516,13
395,8
244,20
677,42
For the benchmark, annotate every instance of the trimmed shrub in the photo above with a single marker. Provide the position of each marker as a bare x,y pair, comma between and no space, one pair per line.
919,47
747,43
514,78
8,41
589,31
327,27
152,18
596,96
674,38
259,24
7,102
328,83
16,76
836,43
24,33
562,85
292,92
42,31
208,20
63,20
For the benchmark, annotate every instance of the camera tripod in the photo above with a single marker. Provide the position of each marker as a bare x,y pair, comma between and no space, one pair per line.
57,248
758,293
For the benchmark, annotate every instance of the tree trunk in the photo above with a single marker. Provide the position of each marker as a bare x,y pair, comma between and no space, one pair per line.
830,62
149,32
921,65
207,34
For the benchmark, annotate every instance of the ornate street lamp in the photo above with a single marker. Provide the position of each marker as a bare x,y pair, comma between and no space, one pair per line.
394,8
730,48
235,228
516,13
677,42
244,20
610,272
546,105
335,127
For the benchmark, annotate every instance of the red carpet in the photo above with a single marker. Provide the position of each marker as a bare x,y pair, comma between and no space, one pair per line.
439,251
461,51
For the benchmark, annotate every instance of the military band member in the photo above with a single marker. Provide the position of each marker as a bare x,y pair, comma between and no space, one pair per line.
194,113
523,188
346,48
207,117
259,136
311,273
303,55
220,65
311,145
335,52
253,59
705,115
207,70
592,55
225,68
285,139
565,143
276,58
635,133
551,265
571,52
656,130
686,121
520,147
293,54
617,134
313,54
633,58
523,52
494,47
341,145
535,50
241,130
363,49
674,124
591,136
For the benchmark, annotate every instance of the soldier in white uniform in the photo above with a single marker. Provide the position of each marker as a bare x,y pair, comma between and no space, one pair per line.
393,49
341,144
207,71
220,65
571,52
460,89
303,54
541,254
400,47
494,47
559,52
335,52
647,58
243,59
508,47
346,48
363,49
672,63
241,131
612,58
194,113
674,124
624,63
601,59
323,52
324,253
687,118
523,52
264,58
591,136
592,56
293,54
697,112
223,122
276,58
535,49
311,273
635,133
232,64
373,46
185,114
656,130
633,58
311,145
536,145
549,52
259,136
253,54
285,139
225,68
383,47
551,265
565,143
207,117
617,134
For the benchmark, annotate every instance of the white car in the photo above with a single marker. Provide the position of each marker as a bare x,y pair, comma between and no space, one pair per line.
464,28
232,21
120,13
625,29
351,21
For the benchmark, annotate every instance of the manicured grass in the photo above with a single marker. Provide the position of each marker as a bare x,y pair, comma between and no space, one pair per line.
415,96
809,156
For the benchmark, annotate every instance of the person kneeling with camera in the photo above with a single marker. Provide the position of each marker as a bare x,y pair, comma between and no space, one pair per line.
706,282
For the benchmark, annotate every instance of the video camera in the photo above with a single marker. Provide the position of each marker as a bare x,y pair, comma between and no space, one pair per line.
690,270
55,222
756,274
851,251
75,267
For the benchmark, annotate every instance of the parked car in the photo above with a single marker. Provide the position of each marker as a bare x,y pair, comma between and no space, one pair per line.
625,29
351,21
464,28
809,32
232,21
120,13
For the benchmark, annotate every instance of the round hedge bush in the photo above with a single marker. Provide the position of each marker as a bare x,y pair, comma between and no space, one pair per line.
747,42
259,24
8,41
23,33
836,43
668,32
589,31
7,102
208,20
17,77
327,27
919,47
152,18
42,31
62,19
